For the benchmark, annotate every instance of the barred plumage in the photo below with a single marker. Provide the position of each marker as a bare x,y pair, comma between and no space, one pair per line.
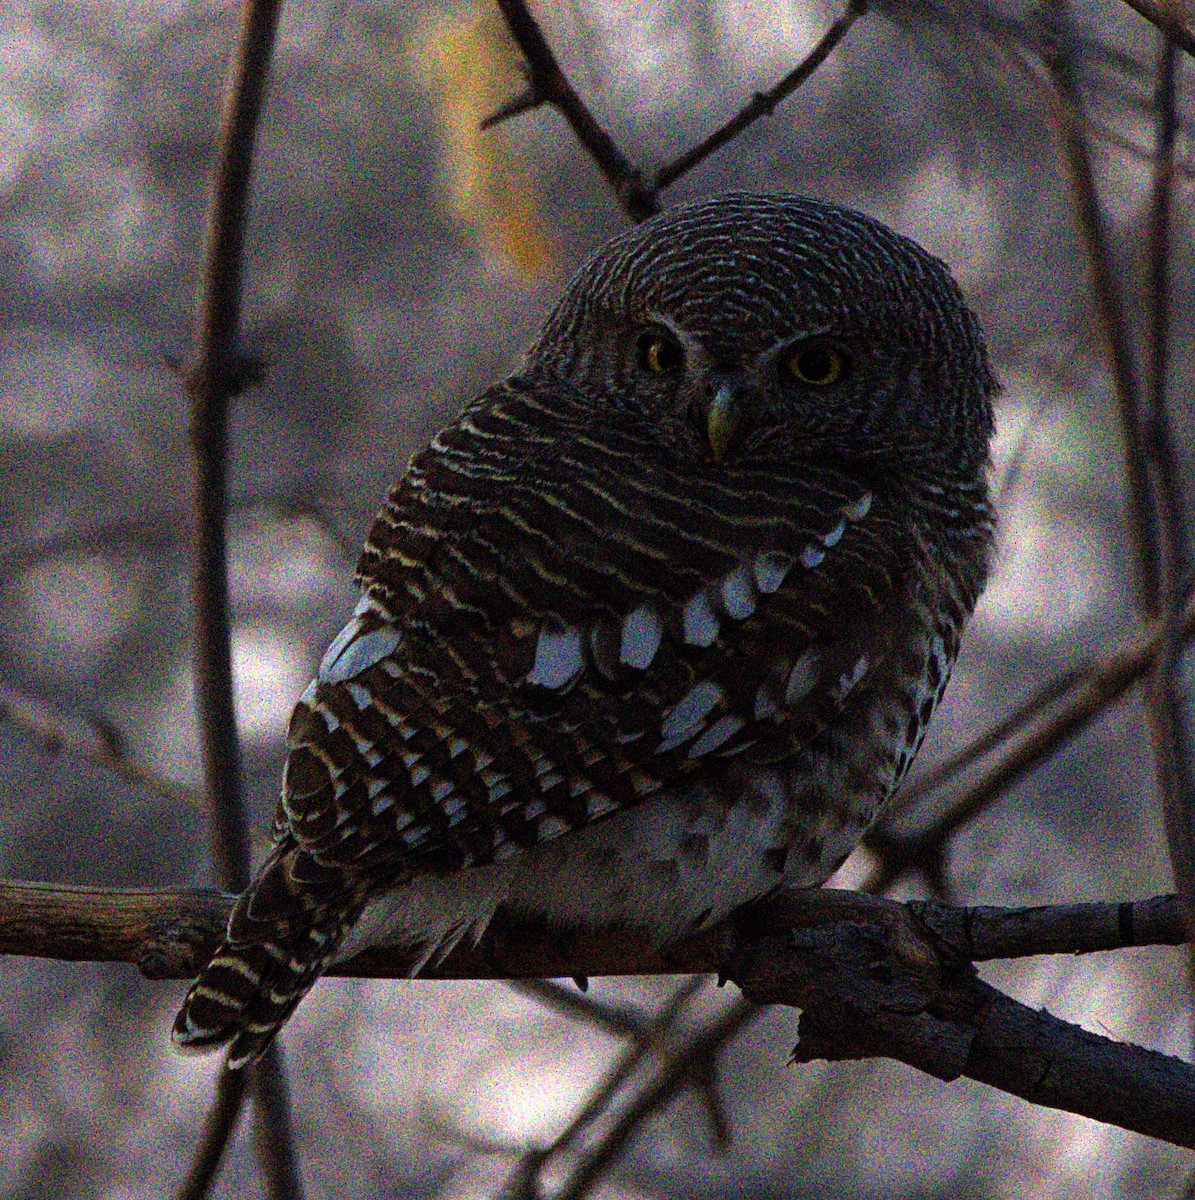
657,623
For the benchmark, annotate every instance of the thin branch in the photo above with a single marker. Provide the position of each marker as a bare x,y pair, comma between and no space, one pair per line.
1161,14
653,1032
218,1128
216,373
676,1073
1093,235
548,84
54,734
619,1020
762,103
979,747
1163,706
1032,740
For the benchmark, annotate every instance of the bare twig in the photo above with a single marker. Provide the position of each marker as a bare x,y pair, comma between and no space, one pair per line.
217,372
620,1020
698,1051
1164,710
990,740
1040,727
547,84
54,734
1161,14
218,1127
1093,234
651,1034
762,103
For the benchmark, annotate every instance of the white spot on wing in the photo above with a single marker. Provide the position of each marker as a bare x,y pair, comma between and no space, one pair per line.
833,537
803,676
559,658
331,720
359,653
688,716
552,827
338,646
812,556
720,732
738,594
641,634
368,604
700,621
859,509
769,571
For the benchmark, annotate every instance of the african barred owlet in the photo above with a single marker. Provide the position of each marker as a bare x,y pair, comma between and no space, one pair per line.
655,625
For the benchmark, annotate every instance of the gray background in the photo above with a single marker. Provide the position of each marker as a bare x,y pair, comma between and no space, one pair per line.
398,261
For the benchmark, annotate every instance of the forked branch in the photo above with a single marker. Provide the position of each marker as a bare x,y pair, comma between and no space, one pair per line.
872,977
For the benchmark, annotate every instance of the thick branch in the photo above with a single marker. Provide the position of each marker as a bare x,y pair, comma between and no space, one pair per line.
873,978
169,933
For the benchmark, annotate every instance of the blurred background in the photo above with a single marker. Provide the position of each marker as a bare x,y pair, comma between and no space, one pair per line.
398,260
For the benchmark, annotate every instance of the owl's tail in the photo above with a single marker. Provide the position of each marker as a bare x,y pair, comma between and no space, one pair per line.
282,934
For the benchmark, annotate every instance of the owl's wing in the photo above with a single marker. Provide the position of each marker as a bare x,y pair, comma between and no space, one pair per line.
550,635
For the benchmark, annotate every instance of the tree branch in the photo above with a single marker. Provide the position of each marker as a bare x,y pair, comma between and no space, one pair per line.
762,103
217,373
548,84
1169,731
1162,15
872,976
1093,236
1046,725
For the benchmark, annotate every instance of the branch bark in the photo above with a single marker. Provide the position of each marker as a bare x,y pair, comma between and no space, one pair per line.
548,84
873,978
217,372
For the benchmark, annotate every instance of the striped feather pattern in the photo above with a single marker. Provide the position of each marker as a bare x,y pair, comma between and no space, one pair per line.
567,613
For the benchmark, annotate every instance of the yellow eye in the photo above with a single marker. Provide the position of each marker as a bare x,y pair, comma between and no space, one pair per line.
659,354
817,365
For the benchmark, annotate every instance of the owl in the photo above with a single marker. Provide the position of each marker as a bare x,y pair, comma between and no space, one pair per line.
655,626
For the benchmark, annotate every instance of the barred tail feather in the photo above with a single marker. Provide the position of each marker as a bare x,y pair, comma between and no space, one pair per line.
278,943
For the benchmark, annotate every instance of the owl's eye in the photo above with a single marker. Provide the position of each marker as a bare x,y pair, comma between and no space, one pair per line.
660,354
817,364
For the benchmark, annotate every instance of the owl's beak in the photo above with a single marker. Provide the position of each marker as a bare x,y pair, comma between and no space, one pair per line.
726,418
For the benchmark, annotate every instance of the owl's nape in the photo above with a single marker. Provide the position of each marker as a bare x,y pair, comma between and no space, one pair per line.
655,625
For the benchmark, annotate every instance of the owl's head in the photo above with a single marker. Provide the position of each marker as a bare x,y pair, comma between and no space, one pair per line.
759,328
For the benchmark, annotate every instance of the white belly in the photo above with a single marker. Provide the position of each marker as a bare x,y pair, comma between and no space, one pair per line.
671,865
